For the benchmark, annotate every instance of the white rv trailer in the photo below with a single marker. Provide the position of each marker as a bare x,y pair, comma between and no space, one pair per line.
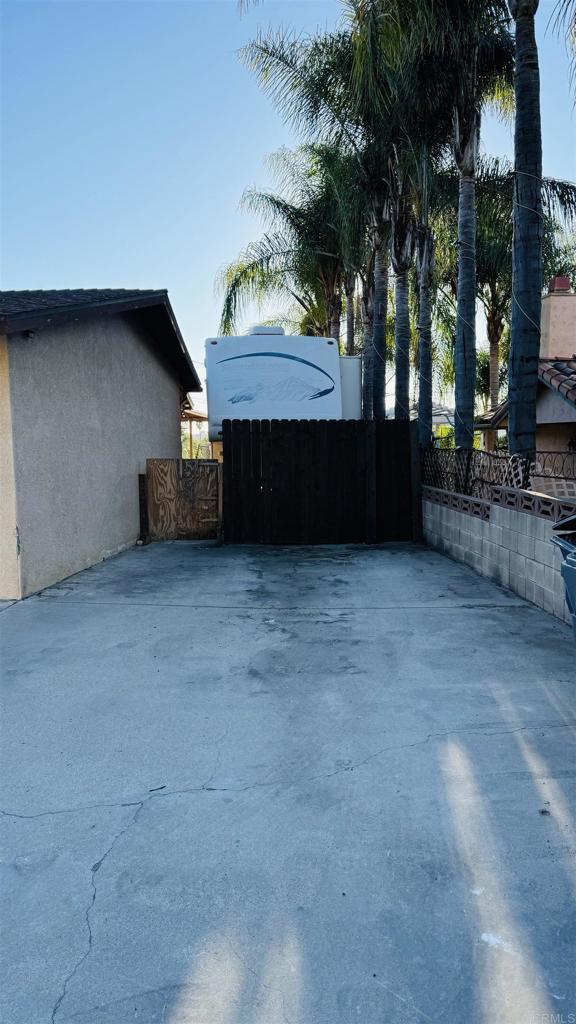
268,375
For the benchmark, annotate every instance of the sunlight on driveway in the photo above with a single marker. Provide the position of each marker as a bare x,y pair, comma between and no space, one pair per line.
509,986
214,988
213,992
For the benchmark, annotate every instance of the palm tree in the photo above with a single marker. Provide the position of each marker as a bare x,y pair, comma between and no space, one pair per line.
268,269
337,171
495,204
428,134
527,219
471,42
403,248
486,59
425,259
316,84
494,208
527,244
301,254
314,246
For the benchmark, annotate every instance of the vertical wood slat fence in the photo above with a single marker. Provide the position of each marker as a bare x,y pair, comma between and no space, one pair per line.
183,499
319,481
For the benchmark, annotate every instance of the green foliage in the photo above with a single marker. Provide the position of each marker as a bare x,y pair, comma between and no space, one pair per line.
389,109
483,377
316,235
565,21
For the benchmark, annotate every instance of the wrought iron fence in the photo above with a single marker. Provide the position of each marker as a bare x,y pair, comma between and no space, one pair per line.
557,465
475,473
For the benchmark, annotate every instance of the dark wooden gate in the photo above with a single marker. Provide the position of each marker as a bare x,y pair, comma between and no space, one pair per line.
319,482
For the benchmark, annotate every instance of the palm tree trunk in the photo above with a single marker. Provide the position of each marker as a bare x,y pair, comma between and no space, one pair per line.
368,357
379,331
426,276
350,290
466,314
402,348
527,243
494,327
335,316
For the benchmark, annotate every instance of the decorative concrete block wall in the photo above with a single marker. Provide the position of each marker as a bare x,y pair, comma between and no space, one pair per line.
509,546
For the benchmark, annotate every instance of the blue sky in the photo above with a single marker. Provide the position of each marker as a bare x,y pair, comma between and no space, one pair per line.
130,130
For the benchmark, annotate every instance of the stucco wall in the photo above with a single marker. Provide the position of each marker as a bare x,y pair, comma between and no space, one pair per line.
555,437
558,326
91,402
9,562
552,408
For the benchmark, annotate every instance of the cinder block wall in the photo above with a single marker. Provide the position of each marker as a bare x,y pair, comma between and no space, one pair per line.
510,547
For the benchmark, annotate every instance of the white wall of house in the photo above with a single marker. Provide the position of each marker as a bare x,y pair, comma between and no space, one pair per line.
91,401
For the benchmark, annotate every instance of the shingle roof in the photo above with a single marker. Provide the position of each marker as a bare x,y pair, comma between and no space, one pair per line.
559,375
442,416
493,417
33,310
20,303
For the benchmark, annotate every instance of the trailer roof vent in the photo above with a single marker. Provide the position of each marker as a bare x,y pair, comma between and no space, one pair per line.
259,329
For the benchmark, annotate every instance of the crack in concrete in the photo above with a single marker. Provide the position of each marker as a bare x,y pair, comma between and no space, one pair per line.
218,743
421,743
69,810
165,991
205,787
94,871
140,804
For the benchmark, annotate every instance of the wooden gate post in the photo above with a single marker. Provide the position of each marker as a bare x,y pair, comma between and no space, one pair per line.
144,537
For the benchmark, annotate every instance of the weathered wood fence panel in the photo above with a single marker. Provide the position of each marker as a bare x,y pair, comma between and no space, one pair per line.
183,499
318,481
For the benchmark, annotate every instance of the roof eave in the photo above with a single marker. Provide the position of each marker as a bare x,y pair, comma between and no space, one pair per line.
17,323
555,391
196,386
494,422
14,323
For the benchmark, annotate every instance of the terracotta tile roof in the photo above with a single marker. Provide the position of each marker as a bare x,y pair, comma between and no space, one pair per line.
559,375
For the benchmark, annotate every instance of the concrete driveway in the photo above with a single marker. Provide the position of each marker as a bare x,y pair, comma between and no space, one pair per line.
286,786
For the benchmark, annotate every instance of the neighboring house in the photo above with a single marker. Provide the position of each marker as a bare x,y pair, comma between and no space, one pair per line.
442,416
91,385
556,401
188,416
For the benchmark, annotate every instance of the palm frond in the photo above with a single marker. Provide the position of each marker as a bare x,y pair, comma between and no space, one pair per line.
263,269
306,78
563,18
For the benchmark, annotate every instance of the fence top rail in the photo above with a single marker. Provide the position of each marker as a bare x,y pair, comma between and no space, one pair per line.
476,473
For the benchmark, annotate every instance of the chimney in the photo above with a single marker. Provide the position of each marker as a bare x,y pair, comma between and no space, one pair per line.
559,286
558,324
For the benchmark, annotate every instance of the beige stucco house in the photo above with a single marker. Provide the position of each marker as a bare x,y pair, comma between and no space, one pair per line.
91,385
556,398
